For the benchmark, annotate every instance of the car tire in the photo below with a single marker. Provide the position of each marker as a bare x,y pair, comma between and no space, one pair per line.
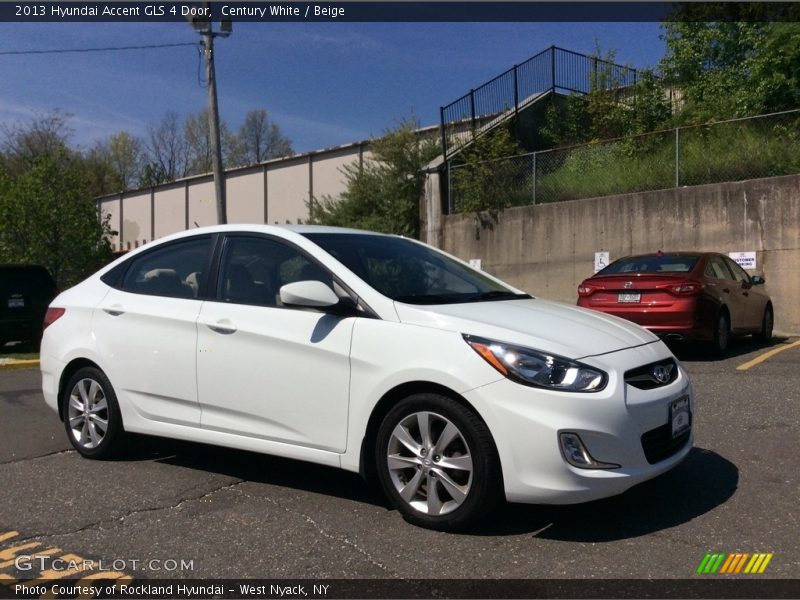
456,458
91,414
722,332
767,323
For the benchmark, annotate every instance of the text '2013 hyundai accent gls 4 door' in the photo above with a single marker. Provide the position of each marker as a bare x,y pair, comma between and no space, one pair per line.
368,352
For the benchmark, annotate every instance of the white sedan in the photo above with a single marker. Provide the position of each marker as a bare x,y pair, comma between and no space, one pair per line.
372,353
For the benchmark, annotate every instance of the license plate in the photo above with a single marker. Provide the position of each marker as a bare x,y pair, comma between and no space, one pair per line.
680,416
16,303
629,298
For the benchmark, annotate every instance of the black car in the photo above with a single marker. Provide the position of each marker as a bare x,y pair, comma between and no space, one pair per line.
25,293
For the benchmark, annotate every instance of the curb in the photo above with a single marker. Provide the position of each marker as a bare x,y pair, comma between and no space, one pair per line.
19,364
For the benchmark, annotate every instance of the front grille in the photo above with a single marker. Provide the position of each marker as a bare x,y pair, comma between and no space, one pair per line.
658,444
645,378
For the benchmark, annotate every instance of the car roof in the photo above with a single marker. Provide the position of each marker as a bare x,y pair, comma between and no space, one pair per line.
666,253
274,229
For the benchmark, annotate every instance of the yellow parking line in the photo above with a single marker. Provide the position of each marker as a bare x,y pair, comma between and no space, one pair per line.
8,535
762,357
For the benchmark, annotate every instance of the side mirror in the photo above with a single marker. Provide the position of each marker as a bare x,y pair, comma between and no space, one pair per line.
308,294
758,280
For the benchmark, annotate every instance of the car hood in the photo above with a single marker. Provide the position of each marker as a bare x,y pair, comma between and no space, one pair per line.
553,327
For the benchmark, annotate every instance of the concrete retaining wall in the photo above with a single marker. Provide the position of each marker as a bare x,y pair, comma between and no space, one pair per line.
549,249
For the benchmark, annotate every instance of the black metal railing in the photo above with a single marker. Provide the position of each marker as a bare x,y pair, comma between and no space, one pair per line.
552,70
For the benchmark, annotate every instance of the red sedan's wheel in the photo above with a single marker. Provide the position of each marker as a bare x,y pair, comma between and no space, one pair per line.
722,332
767,323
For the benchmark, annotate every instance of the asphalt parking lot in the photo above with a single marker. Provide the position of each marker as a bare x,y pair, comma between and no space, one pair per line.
231,514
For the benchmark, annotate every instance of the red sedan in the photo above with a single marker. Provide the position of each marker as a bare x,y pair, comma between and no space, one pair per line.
682,295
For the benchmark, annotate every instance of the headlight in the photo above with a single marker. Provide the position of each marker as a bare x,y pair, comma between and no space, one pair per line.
534,368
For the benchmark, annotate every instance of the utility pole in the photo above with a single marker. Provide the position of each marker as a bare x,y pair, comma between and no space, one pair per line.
205,29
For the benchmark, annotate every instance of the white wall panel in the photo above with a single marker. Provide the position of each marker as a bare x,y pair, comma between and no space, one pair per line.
245,195
136,220
110,207
170,207
329,178
202,204
287,192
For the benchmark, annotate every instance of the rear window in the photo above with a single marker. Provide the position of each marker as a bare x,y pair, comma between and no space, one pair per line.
651,264
25,279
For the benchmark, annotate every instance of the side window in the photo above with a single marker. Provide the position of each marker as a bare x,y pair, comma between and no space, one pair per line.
254,269
176,270
739,274
716,269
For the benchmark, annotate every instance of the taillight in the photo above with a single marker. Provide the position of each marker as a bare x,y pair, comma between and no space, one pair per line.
52,315
686,288
585,290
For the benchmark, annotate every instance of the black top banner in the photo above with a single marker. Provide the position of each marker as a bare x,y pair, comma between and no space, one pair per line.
354,11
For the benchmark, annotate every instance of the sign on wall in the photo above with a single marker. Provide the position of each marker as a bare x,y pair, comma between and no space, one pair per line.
601,260
746,260
475,263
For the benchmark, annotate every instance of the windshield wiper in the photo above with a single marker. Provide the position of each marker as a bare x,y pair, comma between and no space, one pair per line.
498,295
432,298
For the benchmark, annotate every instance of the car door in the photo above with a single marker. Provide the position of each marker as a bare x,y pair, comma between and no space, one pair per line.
146,327
752,304
723,288
265,370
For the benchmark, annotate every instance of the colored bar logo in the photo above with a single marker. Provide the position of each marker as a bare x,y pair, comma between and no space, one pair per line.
734,563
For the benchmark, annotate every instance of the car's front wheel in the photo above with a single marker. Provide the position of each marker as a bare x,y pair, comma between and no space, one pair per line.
767,323
91,414
437,462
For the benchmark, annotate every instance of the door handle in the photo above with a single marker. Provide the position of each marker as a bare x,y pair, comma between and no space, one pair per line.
114,310
223,327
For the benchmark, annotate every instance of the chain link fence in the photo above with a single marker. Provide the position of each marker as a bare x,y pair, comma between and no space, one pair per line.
735,150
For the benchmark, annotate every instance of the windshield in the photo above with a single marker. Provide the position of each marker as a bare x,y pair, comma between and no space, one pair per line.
409,272
653,263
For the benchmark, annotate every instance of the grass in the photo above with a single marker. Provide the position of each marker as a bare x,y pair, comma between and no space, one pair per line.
20,355
733,151
725,152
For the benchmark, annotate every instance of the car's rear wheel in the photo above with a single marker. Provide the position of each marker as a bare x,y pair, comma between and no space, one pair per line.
91,414
437,462
767,323
722,332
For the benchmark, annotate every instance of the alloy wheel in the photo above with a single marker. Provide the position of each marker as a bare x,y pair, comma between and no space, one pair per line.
88,413
429,463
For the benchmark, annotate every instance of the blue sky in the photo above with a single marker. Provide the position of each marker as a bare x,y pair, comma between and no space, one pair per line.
324,83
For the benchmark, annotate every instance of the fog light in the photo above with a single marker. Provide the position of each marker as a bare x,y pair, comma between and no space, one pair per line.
576,454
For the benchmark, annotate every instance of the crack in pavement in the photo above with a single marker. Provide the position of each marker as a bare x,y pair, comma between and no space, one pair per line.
49,454
111,522
325,534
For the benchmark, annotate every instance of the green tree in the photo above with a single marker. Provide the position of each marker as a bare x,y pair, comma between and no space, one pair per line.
260,139
486,182
383,193
733,68
48,217
613,108
125,155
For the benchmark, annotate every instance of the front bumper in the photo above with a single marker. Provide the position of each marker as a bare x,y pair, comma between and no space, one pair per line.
525,423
